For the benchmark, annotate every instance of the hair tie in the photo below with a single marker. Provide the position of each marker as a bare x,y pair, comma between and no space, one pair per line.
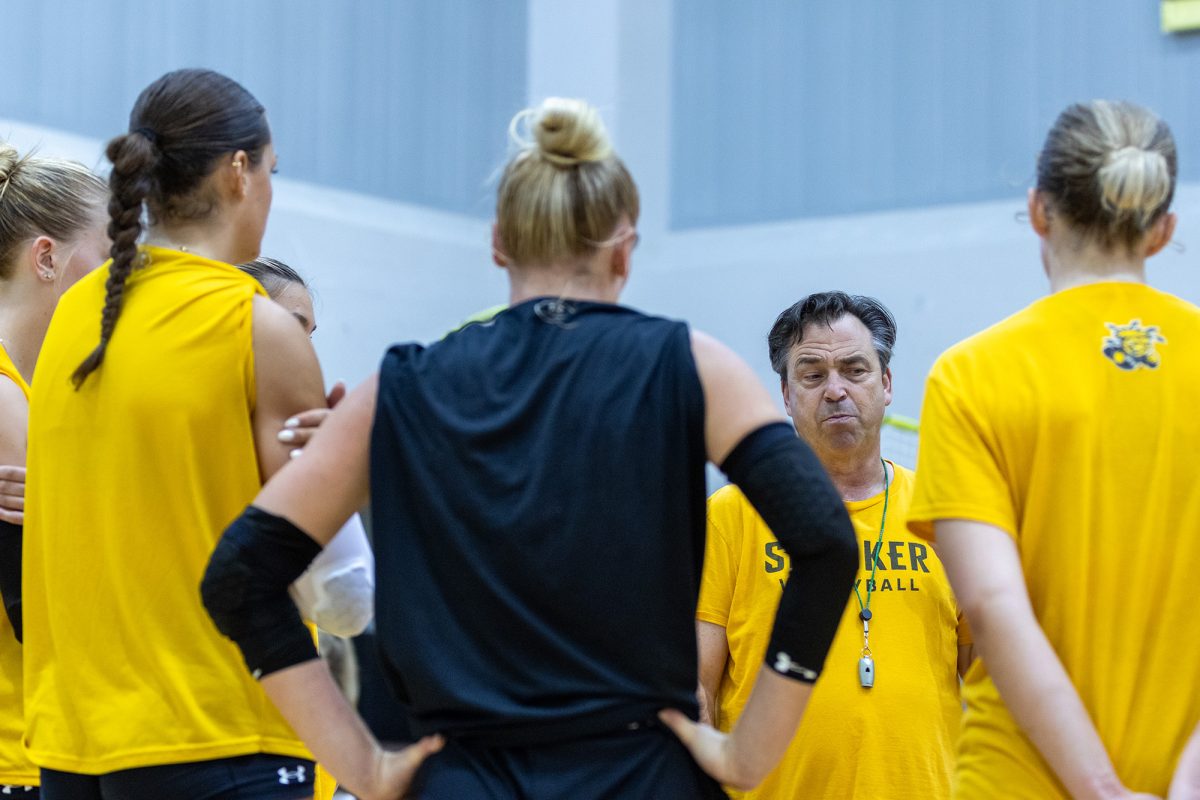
150,135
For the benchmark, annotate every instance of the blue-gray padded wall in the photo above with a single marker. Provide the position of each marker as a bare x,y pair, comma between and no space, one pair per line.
786,109
408,100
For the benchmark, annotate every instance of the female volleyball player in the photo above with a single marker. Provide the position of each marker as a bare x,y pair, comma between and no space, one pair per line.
537,490
51,235
337,592
1057,470
159,433
285,286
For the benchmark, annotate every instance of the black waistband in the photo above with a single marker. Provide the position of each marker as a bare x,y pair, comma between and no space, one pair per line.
615,720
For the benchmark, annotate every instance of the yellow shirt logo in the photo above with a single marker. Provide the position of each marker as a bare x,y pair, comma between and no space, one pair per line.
1132,346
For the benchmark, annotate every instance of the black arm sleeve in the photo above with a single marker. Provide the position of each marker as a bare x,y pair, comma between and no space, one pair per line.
787,486
11,537
245,590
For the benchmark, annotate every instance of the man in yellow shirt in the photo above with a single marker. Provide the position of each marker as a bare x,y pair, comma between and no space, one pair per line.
883,718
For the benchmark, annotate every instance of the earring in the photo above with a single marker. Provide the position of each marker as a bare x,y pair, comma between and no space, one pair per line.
46,276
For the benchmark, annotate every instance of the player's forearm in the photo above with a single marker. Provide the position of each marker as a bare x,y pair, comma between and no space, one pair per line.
320,715
766,726
1039,694
712,649
708,705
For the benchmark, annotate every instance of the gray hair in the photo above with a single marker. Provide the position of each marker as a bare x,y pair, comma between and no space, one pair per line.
827,308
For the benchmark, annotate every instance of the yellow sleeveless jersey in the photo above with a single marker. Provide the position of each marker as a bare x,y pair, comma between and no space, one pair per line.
1072,426
131,481
15,766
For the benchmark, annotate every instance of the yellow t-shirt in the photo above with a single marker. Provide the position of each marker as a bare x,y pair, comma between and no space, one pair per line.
1072,426
131,481
893,740
15,766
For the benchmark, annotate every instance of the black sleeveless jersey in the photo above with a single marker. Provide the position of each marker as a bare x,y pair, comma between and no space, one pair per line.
538,505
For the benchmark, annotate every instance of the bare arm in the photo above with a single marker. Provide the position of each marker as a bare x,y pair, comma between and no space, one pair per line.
12,494
744,757
287,380
735,401
736,404
713,649
14,425
318,493
298,429
337,736
985,571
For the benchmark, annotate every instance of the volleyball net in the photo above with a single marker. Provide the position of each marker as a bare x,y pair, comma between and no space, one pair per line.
898,440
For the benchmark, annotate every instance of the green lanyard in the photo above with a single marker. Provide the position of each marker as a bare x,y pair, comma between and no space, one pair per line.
864,611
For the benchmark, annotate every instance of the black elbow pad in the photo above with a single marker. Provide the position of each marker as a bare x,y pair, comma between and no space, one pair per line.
782,478
245,590
11,540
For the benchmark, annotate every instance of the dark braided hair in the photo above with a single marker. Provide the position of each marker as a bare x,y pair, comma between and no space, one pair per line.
179,128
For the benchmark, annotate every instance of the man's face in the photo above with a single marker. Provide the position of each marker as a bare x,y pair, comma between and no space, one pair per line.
835,391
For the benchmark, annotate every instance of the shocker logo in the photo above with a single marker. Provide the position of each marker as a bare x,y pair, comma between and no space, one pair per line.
1132,346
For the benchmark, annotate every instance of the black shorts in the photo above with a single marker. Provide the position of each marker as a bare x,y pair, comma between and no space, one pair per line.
647,763
20,790
259,776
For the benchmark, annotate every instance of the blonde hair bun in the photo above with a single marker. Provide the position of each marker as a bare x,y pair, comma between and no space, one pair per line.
1134,181
1108,170
566,132
565,190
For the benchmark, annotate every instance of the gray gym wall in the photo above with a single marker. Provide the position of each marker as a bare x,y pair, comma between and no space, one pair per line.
882,147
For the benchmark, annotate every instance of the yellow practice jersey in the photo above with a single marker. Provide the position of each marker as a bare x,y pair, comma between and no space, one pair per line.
15,766
893,740
131,481
1072,426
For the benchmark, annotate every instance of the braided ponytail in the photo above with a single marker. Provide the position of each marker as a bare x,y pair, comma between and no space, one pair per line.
133,158
179,127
